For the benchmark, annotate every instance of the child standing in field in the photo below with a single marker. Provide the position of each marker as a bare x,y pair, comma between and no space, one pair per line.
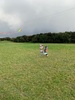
46,51
41,49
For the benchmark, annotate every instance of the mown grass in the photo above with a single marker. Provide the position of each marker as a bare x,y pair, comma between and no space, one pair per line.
25,75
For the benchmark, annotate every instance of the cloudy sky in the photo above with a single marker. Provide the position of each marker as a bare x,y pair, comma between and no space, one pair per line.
36,16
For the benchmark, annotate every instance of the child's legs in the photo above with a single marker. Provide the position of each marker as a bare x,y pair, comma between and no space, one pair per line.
41,52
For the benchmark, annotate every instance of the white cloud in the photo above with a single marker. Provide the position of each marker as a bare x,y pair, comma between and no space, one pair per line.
11,19
69,3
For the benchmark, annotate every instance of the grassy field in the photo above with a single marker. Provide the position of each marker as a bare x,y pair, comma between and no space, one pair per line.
25,75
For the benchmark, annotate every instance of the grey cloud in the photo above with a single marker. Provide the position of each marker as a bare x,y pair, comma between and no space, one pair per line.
39,16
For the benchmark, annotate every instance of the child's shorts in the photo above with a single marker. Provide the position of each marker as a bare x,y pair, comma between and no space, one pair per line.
41,51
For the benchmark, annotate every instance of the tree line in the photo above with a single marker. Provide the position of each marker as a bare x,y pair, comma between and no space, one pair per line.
62,37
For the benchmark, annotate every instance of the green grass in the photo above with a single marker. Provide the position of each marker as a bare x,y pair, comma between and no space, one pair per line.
25,75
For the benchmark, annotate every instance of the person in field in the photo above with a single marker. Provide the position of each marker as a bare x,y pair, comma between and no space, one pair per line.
41,49
46,51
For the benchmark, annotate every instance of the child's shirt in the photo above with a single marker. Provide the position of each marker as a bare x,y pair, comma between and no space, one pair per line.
41,48
46,49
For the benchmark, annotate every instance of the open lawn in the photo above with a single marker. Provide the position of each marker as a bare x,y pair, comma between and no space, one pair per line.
25,75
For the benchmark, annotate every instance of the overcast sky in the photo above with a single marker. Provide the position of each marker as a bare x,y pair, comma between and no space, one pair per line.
36,16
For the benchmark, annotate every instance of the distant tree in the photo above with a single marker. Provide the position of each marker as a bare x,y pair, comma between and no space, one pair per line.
35,38
64,37
73,37
7,38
